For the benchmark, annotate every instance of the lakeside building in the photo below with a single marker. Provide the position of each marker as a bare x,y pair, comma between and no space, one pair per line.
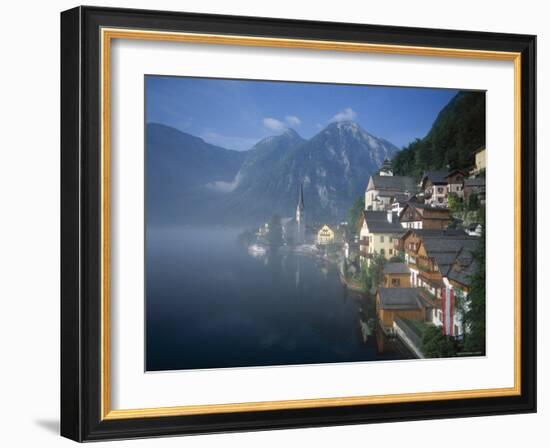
440,262
383,188
325,235
423,216
378,234
393,303
396,275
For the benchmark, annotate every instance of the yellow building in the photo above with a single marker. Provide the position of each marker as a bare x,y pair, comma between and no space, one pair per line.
480,161
380,231
325,235
396,275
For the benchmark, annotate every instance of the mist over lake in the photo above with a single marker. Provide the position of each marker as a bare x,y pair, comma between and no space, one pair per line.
210,304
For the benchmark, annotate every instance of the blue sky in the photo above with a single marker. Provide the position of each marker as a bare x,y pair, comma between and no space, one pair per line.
235,114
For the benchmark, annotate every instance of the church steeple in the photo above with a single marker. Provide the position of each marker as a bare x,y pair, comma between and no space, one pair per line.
301,217
386,169
301,206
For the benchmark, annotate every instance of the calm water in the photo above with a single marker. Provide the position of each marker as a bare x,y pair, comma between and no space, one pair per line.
210,304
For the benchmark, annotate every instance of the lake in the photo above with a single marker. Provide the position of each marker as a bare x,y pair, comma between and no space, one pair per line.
210,304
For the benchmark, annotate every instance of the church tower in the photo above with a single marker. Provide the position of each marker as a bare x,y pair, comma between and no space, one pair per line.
386,169
301,218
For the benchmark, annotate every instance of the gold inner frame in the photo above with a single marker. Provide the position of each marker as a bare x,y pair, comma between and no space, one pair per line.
107,35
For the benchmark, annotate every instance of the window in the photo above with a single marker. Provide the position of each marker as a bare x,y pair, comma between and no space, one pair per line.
382,252
395,282
391,251
381,238
440,189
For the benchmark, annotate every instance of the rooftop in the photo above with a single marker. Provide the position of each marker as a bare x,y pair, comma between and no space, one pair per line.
475,182
435,177
396,268
377,222
399,299
438,233
447,250
396,183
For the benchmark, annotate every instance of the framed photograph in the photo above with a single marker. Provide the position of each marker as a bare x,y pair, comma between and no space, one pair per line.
275,224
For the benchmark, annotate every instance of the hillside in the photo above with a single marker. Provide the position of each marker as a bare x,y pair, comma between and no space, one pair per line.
457,132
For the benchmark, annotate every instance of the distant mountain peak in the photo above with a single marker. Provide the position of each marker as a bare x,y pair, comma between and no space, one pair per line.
288,135
291,133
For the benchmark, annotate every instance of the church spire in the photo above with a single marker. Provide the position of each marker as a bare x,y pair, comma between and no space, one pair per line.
386,169
301,198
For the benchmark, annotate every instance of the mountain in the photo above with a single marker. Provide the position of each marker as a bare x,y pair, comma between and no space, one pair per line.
179,166
456,134
334,167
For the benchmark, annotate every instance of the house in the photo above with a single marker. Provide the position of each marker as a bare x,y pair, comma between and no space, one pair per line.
423,216
399,201
455,182
433,255
382,189
434,186
396,275
480,163
325,235
378,233
404,303
458,283
474,186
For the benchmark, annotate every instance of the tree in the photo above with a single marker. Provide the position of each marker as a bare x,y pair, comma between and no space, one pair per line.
355,213
455,203
436,345
475,314
372,274
275,235
473,202
455,136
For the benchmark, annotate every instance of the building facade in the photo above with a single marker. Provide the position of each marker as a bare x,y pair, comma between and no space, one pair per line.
441,262
396,275
434,187
382,189
422,216
378,235
455,183
325,235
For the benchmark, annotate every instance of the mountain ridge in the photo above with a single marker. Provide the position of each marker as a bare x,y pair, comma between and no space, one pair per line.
333,166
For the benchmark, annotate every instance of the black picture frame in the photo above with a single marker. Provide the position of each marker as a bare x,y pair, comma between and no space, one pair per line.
81,224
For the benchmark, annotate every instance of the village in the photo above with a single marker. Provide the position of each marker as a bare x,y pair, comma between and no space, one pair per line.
415,249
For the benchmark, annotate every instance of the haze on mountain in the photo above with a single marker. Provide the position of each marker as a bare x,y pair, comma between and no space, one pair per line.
248,187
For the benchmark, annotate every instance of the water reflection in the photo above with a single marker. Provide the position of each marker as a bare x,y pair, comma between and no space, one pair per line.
210,303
